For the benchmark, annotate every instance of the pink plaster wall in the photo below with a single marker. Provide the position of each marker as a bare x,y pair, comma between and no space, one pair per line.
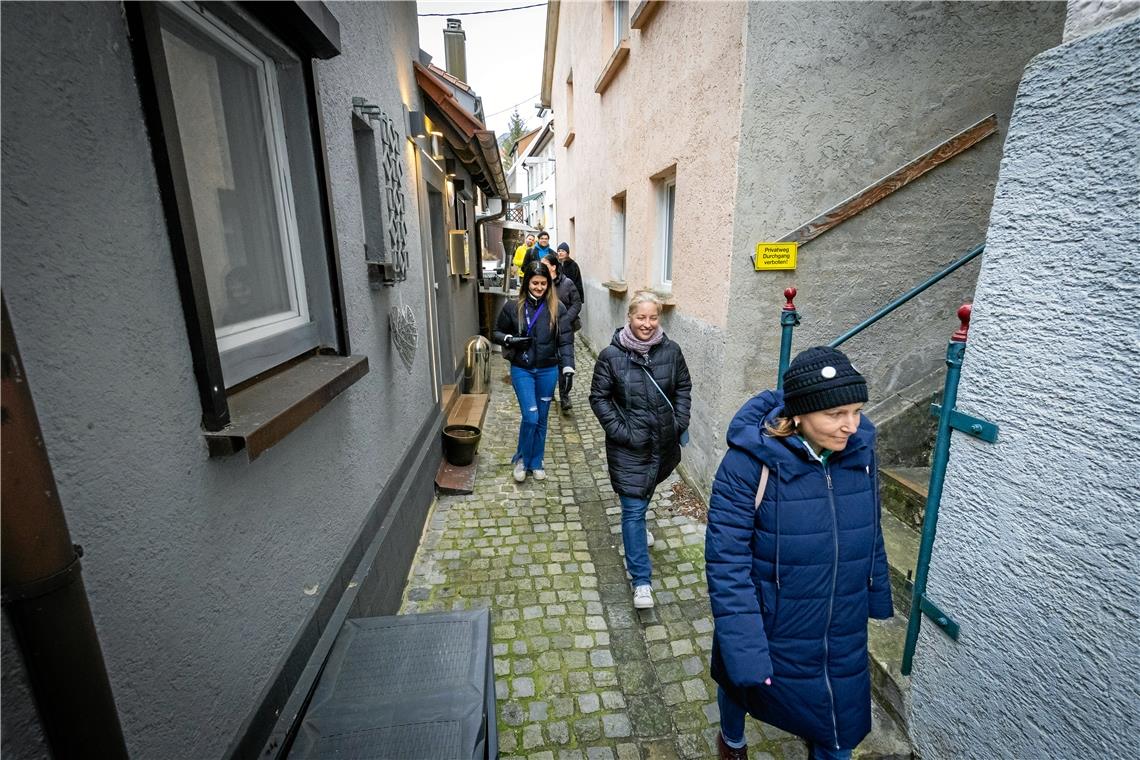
692,54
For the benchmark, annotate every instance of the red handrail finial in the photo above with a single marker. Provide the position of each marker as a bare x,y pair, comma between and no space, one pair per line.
964,312
790,295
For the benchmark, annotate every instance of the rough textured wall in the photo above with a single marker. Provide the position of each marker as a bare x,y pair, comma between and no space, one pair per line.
196,568
676,103
1087,16
1036,551
660,111
21,736
838,95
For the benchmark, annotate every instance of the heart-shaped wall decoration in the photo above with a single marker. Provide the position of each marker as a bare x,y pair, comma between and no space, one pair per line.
405,334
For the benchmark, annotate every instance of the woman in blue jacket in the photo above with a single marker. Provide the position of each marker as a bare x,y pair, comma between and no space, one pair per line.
795,560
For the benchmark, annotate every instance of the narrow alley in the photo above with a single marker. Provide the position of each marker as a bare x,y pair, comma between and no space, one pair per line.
581,674
865,272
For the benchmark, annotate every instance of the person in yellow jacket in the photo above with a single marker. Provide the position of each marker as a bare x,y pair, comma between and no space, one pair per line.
520,254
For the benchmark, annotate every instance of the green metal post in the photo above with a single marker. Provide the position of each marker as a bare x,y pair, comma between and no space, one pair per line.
955,351
789,318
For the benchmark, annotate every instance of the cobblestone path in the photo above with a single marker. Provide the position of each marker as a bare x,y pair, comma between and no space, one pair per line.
581,675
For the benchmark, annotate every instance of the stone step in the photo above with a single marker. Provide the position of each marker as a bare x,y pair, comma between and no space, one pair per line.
901,543
903,491
887,740
890,688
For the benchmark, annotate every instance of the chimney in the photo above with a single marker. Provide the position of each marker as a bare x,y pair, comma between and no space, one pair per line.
455,49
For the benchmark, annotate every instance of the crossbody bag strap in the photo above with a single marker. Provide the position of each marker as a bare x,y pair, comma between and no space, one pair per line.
658,387
763,485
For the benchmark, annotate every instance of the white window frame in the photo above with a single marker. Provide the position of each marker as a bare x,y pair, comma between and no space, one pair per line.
621,21
252,331
666,228
618,225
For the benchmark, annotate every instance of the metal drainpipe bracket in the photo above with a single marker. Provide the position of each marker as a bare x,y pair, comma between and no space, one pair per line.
938,617
968,424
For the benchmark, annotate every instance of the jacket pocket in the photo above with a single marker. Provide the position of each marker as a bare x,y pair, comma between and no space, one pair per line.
769,606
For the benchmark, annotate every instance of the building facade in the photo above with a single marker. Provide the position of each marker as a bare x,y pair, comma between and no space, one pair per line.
673,167
238,275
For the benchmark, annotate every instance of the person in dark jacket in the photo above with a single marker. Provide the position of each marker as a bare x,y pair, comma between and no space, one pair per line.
536,339
796,566
641,395
571,269
572,304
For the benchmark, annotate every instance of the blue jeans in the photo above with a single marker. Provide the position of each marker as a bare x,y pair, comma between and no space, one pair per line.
732,728
535,390
633,538
731,718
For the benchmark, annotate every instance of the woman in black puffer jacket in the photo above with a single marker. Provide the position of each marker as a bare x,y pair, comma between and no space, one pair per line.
641,396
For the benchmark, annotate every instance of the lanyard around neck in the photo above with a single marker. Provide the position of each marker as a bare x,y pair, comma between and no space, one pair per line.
532,320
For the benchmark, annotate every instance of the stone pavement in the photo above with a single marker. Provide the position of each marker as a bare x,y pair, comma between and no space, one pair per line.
581,675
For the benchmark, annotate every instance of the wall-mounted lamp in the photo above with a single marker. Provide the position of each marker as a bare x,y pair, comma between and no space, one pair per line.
417,125
437,145
450,166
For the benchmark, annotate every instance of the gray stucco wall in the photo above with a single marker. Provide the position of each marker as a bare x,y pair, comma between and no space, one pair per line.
196,568
1036,555
838,95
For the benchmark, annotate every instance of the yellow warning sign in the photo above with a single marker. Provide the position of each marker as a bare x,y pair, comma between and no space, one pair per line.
775,256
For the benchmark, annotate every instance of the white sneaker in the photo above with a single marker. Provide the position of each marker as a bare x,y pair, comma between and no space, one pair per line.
648,538
642,597
520,471
539,474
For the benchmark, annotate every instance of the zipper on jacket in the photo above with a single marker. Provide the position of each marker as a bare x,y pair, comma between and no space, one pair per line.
877,518
831,602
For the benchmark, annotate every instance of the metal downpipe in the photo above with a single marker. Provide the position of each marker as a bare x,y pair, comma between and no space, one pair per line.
43,594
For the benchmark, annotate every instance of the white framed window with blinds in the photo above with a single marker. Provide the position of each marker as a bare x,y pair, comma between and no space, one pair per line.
667,204
230,124
617,238
621,21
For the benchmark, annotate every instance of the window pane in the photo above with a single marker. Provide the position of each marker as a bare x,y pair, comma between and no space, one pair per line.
670,198
222,106
621,22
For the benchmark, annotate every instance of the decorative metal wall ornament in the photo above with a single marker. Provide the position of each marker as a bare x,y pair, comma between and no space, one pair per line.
397,227
405,333
392,260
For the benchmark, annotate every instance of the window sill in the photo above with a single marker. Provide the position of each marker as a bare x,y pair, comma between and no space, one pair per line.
569,139
615,286
644,12
666,296
263,413
612,67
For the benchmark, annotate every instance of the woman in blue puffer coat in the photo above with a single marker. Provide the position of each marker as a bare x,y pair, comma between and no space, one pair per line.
795,560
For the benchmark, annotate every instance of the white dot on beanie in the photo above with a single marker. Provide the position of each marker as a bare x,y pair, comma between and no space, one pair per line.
828,372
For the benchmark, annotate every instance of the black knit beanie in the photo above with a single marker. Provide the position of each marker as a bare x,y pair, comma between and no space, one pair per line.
821,378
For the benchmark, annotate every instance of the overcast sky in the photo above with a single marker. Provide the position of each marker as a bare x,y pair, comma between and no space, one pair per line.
504,53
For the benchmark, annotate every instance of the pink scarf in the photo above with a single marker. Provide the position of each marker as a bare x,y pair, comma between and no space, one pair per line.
631,343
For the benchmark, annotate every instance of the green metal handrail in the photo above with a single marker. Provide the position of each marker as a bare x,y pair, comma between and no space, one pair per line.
949,418
973,254
789,318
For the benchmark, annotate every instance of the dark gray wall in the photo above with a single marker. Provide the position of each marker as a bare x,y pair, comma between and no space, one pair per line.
1036,555
200,571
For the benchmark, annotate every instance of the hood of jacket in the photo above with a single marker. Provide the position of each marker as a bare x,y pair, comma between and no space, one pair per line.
747,431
